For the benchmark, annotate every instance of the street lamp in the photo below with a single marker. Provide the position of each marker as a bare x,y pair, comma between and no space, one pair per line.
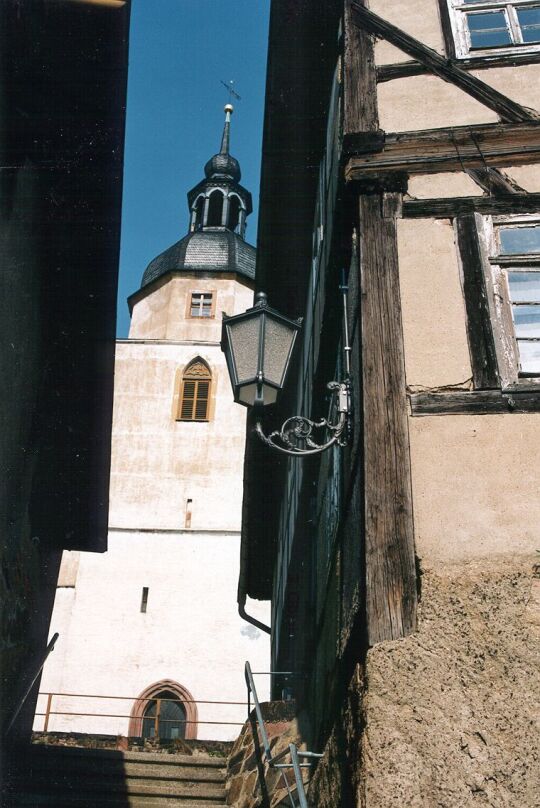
258,346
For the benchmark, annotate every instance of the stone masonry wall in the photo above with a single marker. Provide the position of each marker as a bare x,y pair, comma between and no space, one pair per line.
250,781
447,717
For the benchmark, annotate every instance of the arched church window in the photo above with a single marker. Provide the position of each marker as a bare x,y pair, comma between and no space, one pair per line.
164,717
234,212
166,709
199,213
215,209
195,395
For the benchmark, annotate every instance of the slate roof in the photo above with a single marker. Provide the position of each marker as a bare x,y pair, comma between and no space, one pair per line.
210,250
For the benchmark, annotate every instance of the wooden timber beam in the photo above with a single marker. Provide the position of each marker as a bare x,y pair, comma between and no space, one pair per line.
474,402
402,70
456,148
388,513
479,327
494,181
507,109
449,208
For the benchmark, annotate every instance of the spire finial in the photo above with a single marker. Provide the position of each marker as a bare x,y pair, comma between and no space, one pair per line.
225,139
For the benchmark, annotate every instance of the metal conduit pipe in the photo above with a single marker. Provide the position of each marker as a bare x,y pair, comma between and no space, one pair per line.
245,616
242,594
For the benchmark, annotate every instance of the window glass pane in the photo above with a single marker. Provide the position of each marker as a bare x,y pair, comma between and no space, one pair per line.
526,321
201,304
520,240
524,287
529,354
529,20
488,29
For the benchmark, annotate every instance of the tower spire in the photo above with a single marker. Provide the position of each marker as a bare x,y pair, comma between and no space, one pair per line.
225,138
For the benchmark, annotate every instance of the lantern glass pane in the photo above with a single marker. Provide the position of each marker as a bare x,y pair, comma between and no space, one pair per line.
248,392
278,339
244,346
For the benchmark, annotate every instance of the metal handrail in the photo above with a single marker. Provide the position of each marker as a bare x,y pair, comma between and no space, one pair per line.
293,750
136,698
28,690
50,712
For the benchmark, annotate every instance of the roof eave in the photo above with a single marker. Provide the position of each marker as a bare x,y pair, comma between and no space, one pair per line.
301,59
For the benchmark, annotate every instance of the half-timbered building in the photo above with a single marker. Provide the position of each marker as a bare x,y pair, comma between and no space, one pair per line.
402,153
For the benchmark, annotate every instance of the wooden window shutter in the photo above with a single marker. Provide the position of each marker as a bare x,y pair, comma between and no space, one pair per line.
196,385
201,401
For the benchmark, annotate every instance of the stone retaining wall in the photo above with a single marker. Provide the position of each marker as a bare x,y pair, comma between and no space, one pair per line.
448,716
250,781
121,742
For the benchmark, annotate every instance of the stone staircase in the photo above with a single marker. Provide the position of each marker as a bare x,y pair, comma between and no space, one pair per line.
90,778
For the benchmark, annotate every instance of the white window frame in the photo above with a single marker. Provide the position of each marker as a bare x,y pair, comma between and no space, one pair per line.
194,293
496,267
458,11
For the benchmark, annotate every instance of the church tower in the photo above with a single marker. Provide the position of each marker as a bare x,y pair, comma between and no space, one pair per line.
153,622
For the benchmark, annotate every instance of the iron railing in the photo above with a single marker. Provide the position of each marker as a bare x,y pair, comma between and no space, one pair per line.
28,690
157,717
295,753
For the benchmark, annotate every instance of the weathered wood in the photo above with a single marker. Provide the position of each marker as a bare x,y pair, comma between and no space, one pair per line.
362,142
360,112
402,70
507,109
474,402
389,535
447,31
494,181
449,208
479,328
456,148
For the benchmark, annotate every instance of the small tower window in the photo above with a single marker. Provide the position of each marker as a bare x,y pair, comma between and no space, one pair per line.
215,209
234,213
199,213
195,397
202,304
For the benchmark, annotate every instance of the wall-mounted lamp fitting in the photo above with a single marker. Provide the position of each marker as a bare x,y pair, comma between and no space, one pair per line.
258,346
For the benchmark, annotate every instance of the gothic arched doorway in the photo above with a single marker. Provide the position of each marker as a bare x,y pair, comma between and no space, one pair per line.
165,710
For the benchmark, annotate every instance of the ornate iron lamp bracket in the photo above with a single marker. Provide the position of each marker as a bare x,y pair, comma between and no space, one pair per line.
296,435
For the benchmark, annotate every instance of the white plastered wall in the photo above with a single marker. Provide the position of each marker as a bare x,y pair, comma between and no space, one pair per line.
191,632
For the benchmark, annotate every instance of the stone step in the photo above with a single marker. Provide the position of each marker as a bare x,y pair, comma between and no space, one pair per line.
70,777
64,753
80,768
119,786
37,800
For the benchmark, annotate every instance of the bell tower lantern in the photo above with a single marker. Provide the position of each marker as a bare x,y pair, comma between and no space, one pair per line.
219,201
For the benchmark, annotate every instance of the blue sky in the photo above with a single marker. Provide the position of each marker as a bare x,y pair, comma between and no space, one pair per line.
180,50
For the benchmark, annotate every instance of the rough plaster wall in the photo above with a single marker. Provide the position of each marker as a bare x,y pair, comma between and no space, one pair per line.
419,19
402,102
403,107
475,489
436,348
431,186
451,711
163,312
526,176
448,717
